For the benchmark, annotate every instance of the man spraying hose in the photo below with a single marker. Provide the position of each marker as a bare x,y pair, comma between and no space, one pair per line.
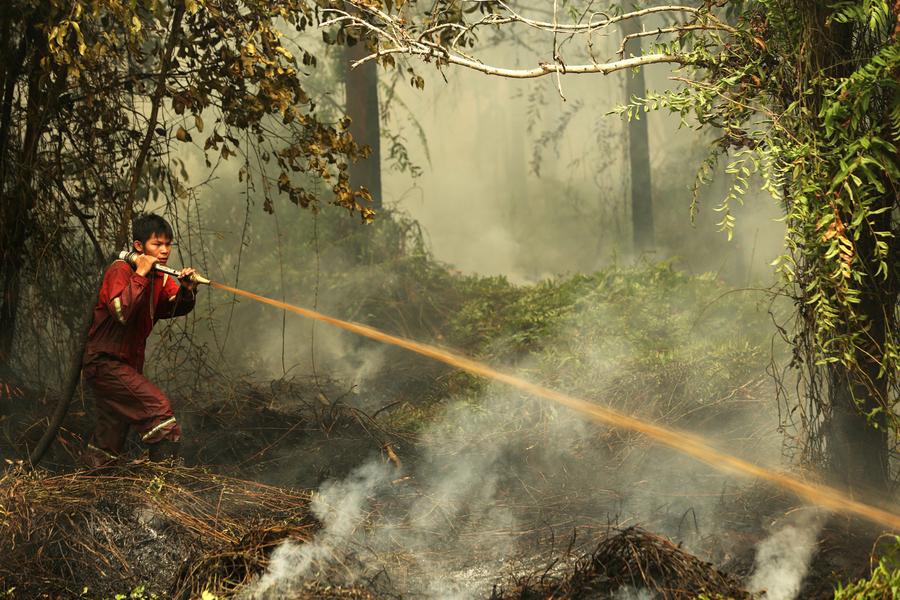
133,296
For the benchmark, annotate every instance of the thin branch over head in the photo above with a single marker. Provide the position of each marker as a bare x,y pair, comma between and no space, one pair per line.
447,42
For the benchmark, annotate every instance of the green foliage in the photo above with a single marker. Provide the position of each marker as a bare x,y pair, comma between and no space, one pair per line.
506,321
649,339
884,584
138,593
647,336
807,98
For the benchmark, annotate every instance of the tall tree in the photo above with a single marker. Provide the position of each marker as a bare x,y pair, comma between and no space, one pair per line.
365,119
805,94
638,146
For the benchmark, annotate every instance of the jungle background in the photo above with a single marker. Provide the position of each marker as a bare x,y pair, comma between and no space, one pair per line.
493,217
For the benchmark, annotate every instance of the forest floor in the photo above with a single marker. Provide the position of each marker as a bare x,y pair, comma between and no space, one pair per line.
145,530
424,482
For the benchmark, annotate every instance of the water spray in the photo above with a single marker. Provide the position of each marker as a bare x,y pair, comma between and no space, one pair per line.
686,443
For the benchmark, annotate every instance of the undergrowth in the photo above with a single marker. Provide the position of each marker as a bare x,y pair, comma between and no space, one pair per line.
884,584
647,337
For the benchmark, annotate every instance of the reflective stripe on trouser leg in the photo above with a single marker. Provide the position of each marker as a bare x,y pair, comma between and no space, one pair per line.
169,423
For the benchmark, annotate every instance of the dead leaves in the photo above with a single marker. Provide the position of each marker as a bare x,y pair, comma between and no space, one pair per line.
841,246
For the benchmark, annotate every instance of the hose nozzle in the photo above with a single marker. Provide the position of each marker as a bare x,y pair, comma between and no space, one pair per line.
130,256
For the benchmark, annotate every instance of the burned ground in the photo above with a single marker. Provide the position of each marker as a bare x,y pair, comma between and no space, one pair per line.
168,530
177,531
629,559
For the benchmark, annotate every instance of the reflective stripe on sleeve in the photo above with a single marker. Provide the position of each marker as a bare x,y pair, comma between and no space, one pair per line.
117,305
163,425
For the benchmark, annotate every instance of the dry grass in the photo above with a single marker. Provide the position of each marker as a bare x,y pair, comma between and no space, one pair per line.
629,558
176,531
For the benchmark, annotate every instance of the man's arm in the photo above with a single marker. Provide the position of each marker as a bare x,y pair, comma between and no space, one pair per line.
175,300
124,292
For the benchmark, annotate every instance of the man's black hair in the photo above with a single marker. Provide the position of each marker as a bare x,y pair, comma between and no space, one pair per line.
144,226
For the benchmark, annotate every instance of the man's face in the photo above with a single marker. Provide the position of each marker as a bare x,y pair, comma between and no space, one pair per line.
158,246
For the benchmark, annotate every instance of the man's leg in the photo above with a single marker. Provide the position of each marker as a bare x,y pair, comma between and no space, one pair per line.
134,400
108,439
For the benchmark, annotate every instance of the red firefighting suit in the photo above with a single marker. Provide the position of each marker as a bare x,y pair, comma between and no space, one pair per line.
127,308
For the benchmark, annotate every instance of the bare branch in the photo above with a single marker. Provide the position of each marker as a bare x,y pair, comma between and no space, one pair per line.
592,25
397,37
539,71
556,56
662,30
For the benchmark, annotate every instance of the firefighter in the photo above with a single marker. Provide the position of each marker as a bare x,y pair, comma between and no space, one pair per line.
131,299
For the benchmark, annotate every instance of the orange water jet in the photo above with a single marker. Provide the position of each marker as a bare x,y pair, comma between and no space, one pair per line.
690,444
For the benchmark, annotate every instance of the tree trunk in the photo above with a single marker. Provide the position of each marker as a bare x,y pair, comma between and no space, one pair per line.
365,126
638,151
856,432
857,444
856,449
16,197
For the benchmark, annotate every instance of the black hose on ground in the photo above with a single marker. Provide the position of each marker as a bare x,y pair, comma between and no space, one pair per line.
73,376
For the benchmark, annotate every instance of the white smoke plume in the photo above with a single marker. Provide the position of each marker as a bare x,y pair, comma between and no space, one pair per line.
453,522
491,479
630,593
782,559
341,507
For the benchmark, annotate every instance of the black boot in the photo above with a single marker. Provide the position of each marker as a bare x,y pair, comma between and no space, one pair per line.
164,450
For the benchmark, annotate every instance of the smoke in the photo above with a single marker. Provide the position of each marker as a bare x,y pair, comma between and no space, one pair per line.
572,216
497,473
630,593
423,529
491,482
341,508
783,558
414,527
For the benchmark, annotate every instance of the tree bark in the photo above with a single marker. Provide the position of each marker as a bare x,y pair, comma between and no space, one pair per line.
365,126
16,197
639,152
856,444
856,432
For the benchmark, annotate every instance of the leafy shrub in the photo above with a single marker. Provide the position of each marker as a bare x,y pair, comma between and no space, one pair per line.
884,584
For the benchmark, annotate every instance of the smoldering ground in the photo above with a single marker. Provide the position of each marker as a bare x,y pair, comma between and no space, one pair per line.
782,559
486,498
499,481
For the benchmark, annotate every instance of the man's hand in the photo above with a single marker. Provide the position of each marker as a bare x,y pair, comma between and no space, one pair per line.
144,264
186,278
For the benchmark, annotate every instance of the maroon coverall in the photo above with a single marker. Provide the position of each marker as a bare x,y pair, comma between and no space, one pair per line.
127,308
